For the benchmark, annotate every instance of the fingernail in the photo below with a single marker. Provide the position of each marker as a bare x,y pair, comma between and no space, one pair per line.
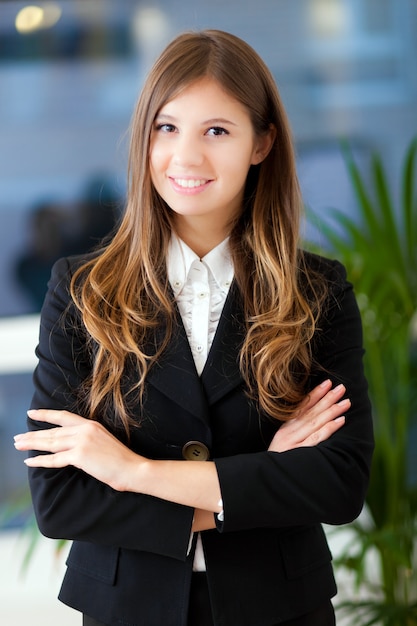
344,401
31,412
338,388
325,383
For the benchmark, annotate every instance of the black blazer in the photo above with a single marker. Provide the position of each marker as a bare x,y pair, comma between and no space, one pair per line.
269,560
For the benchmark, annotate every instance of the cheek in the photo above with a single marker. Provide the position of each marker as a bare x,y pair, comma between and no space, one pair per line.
157,156
156,169
239,158
240,168
153,160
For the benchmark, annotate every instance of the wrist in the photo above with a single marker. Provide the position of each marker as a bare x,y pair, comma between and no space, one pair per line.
138,473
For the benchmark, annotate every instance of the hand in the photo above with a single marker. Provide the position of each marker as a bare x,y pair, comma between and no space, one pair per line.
315,420
87,445
80,442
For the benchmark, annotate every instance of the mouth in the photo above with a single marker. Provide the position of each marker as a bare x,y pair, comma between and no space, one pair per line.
190,183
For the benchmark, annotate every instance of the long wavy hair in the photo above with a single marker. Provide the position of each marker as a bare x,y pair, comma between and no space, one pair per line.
123,293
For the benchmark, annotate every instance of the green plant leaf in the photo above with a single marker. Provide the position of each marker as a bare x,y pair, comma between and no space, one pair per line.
379,250
408,203
388,225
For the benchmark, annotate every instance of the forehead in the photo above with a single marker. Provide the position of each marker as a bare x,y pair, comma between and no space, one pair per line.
202,96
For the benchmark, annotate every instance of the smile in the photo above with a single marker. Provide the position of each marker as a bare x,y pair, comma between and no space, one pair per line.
190,183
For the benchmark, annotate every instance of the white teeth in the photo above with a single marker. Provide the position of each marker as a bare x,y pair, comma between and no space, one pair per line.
189,182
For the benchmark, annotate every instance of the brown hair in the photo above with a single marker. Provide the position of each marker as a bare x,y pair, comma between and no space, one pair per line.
123,294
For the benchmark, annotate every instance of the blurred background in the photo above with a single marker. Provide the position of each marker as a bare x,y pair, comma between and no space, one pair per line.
70,72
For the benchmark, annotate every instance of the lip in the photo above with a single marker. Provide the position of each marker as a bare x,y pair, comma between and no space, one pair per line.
189,191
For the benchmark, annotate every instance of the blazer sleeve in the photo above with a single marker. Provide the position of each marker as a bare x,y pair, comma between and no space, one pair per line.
68,503
322,484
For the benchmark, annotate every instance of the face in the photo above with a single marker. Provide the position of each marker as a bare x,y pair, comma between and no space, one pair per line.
201,149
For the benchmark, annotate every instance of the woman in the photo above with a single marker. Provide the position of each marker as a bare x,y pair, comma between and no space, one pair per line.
201,332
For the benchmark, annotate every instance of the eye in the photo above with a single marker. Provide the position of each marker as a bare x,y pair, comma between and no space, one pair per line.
165,128
216,131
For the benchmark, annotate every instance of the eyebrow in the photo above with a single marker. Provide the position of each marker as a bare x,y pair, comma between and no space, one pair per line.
210,122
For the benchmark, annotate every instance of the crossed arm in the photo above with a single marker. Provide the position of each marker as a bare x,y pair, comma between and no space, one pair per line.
89,446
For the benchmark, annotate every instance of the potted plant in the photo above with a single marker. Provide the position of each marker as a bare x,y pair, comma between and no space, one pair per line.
380,253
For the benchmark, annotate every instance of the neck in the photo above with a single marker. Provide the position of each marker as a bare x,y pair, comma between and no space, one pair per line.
201,240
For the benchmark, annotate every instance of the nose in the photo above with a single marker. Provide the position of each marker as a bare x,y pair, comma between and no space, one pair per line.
188,151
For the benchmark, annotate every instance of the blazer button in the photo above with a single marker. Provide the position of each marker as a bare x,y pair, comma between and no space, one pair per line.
195,451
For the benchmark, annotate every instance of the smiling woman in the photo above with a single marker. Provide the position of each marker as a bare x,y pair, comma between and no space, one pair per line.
202,147
201,332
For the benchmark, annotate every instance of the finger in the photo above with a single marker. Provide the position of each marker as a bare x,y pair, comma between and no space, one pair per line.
317,405
324,433
48,440
49,461
283,442
318,418
315,395
304,425
329,399
51,416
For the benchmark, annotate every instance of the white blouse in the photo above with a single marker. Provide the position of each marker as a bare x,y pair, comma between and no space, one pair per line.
200,287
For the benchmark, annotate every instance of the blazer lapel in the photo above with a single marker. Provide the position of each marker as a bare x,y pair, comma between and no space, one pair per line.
175,374
221,372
